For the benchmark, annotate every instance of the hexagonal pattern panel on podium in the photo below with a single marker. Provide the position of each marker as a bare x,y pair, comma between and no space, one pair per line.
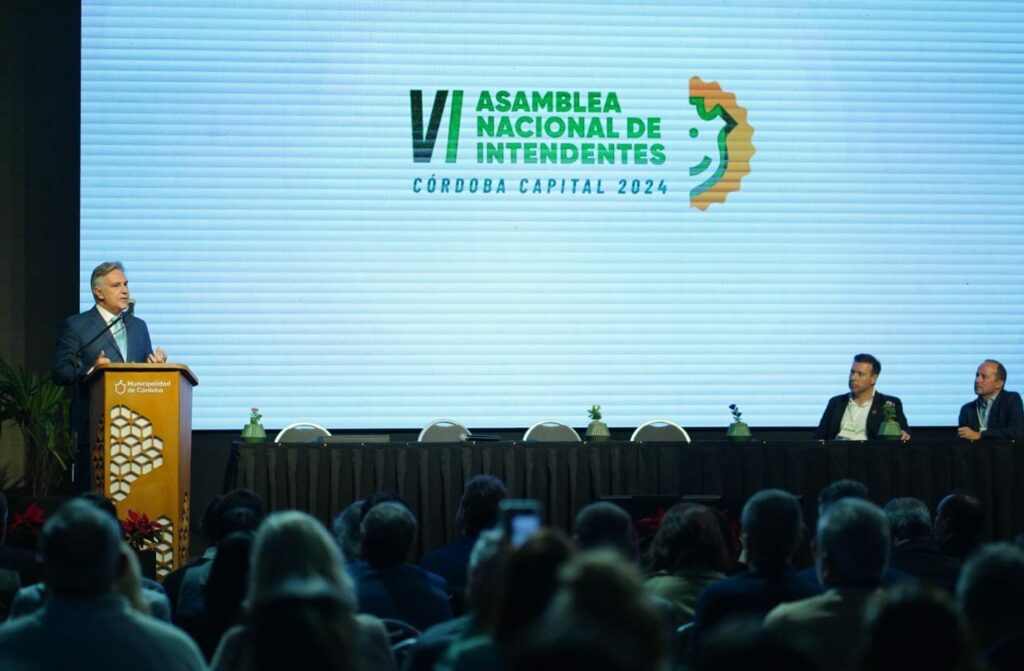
134,450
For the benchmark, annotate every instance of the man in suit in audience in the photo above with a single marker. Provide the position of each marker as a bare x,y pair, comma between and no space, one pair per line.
995,413
85,624
771,524
852,553
914,550
386,584
127,341
859,414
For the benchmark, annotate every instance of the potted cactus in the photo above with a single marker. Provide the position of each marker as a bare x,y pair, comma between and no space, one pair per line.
596,430
253,431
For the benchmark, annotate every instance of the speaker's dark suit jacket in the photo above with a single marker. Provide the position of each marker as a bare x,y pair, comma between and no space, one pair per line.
1005,419
75,332
832,419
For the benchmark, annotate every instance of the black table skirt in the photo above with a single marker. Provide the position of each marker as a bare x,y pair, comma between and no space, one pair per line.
322,480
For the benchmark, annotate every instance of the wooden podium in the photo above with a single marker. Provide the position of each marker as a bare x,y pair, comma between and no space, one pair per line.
140,429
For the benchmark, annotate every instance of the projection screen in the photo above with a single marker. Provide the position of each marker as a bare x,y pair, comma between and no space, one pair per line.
377,214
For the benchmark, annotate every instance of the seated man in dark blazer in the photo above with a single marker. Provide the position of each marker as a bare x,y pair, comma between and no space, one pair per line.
389,587
996,413
478,511
859,414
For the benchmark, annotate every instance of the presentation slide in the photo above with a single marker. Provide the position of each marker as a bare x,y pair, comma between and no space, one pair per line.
372,215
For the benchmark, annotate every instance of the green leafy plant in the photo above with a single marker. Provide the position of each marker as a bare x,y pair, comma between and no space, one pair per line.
736,414
40,410
889,411
594,412
255,416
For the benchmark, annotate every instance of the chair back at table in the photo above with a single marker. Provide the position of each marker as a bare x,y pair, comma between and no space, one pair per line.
301,432
443,431
660,430
552,431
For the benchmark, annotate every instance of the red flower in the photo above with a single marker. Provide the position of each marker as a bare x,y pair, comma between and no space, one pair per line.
140,530
648,526
29,520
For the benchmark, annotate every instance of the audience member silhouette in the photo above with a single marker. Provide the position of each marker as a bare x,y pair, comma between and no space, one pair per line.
483,592
915,627
914,550
771,523
959,519
688,554
129,581
838,490
604,525
225,592
741,644
304,623
85,624
294,558
478,510
990,593
850,489
831,493
852,553
529,583
30,599
387,585
601,604
239,510
346,530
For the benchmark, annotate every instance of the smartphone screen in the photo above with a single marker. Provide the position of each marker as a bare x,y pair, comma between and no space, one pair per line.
520,520
522,528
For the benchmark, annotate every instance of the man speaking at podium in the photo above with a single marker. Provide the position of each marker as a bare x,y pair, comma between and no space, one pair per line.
108,333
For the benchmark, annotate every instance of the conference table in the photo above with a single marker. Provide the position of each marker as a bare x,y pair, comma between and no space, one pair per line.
324,479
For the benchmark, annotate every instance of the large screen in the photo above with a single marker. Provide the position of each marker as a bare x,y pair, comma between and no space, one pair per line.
377,214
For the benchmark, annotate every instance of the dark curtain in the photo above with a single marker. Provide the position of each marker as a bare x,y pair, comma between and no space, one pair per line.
322,480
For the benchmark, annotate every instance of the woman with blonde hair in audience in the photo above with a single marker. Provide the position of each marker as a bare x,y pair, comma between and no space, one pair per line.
129,581
301,610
